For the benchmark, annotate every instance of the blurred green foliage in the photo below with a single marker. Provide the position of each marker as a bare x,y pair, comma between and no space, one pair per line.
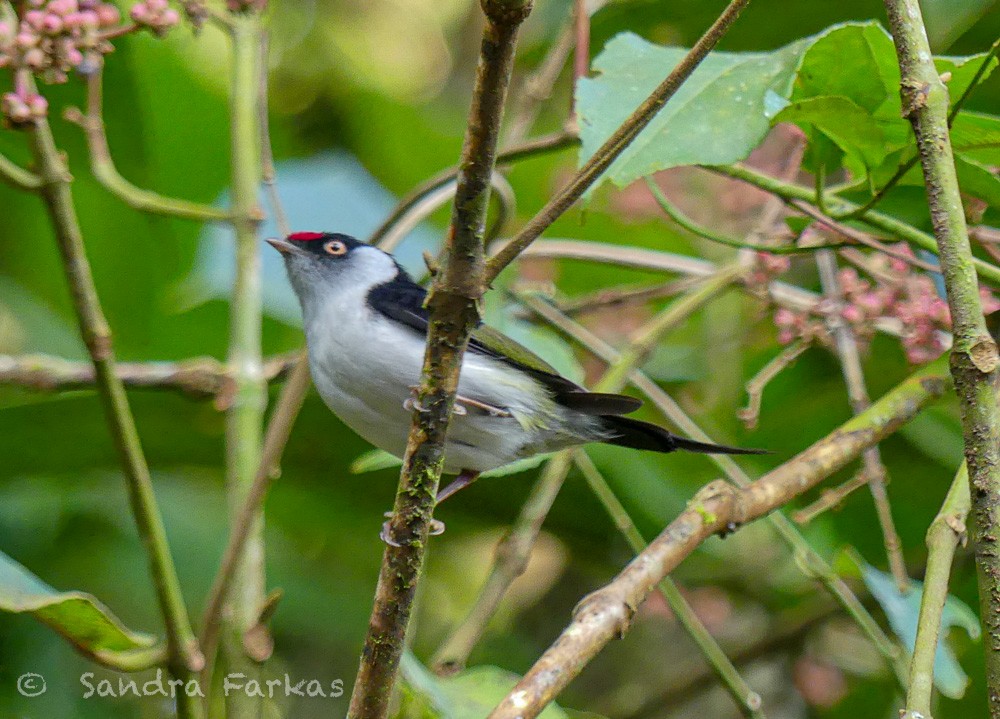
386,85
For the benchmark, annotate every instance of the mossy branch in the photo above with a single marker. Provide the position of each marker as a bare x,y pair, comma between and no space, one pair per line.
454,313
974,358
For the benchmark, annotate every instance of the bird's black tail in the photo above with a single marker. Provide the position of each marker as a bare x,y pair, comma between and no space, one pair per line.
636,434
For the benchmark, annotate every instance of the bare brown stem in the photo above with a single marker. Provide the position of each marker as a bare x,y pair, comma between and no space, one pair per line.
873,470
200,377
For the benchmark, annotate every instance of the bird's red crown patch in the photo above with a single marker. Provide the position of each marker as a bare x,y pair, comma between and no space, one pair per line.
306,236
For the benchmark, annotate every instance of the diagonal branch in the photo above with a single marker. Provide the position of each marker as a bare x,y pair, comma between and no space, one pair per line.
616,144
454,313
718,508
810,561
748,700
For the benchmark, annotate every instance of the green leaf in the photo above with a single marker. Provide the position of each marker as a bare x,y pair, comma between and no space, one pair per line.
470,694
78,616
977,180
977,137
849,126
868,79
718,116
903,611
372,461
963,70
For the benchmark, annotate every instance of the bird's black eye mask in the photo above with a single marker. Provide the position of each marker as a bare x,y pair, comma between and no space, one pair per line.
328,245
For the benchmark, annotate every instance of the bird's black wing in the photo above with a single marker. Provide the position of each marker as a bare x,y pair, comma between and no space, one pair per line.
403,301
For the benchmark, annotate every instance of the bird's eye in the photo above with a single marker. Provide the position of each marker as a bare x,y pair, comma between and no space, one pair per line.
335,248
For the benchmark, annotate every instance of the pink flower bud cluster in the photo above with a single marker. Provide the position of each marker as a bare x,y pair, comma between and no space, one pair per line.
156,15
896,291
766,267
51,38
20,108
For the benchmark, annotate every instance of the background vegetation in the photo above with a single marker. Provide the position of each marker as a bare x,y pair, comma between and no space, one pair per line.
366,101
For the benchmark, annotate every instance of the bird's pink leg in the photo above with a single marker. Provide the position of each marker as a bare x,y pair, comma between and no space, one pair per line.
463,480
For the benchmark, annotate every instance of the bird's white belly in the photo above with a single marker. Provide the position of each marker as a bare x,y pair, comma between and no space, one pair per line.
365,371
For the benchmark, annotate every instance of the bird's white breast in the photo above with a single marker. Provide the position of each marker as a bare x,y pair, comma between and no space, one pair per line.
365,366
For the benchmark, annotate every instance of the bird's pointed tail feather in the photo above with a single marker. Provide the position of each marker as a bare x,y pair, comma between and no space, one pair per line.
637,434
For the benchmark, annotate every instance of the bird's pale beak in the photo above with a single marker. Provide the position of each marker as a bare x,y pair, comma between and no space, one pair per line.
284,246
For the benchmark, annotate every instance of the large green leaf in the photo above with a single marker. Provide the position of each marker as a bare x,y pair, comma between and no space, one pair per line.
718,116
850,111
868,79
470,694
78,616
903,612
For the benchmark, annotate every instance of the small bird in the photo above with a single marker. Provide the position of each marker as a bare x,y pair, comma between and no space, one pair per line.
366,330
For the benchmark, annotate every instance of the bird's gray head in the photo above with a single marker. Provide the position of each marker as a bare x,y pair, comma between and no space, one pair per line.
322,262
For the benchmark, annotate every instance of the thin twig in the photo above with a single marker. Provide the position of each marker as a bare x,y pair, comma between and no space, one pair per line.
694,228
536,88
862,238
718,507
279,429
838,206
18,177
944,536
748,701
103,167
430,202
581,44
184,655
616,144
758,383
453,307
873,470
441,182
830,498
613,297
